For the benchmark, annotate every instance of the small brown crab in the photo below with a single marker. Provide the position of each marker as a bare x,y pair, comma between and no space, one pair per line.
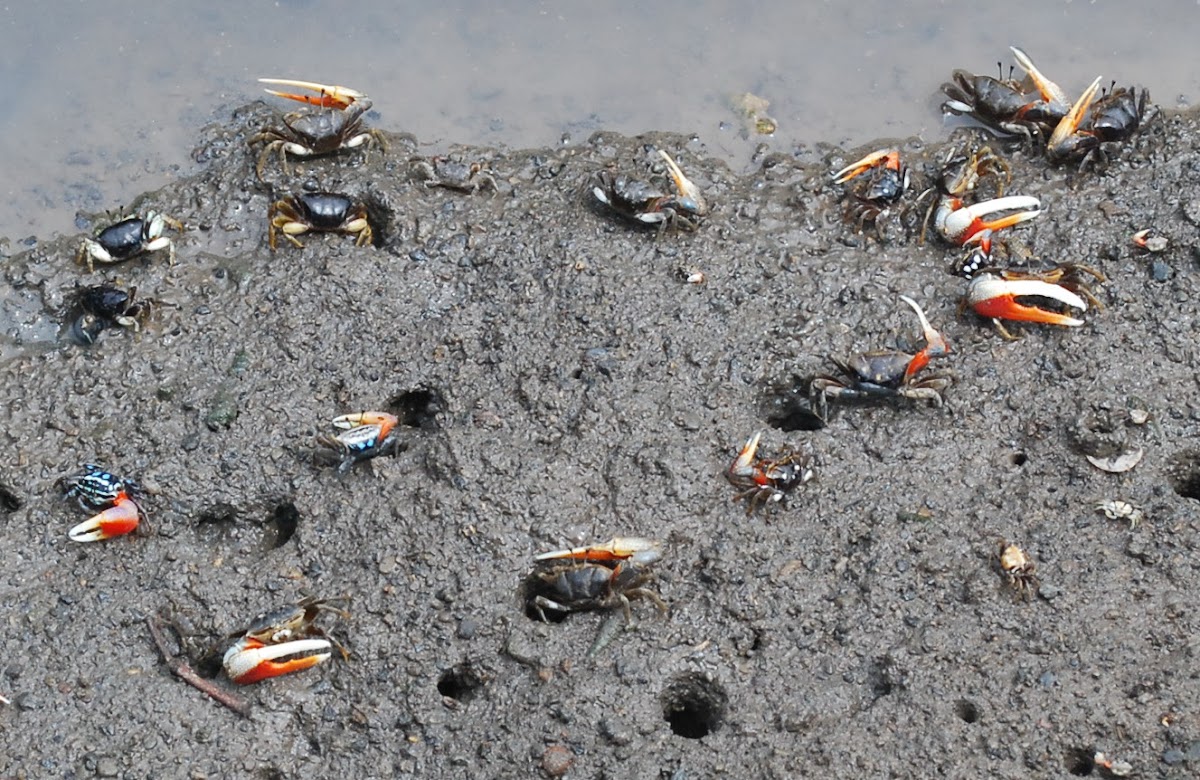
336,124
763,480
649,203
887,373
599,577
290,634
453,174
323,212
1018,568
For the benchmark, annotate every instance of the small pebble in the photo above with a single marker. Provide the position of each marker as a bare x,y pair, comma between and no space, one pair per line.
556,760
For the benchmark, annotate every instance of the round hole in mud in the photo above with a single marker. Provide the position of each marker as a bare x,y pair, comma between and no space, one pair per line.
216,523
694,705
1185,474
418,408
1018,459
9,500
460,682
379,217
1081,761
281,525
966,711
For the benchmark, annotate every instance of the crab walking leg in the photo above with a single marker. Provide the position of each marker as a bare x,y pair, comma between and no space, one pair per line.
121,518
250,661
989,296
329,96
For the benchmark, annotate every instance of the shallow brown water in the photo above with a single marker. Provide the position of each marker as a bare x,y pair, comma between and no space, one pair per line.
105,100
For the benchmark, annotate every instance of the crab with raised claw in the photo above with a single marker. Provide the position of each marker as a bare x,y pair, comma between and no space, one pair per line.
889,180
1003,104
1018,569
1003,294
764,480
363,435
281,642
647,203
961,223
597,577
322,212
453,173
1115,117
130,238
887,373
96,488
335,125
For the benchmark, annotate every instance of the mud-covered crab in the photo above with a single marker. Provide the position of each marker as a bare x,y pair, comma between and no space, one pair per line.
453,173
1023,296
888,180
97,488
130,238
99,307
318,212
599,577
887,373
281,642
364,435
764,480
334,125
649,203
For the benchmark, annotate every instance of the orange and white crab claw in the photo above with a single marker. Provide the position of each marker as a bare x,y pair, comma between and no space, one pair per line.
328,95
1067,126
119,519
935,343
619,548
250,660
385,421
886,158
962,224
992,296
687,189
1050,92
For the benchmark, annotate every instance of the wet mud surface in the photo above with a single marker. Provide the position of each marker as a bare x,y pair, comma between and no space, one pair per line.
559,383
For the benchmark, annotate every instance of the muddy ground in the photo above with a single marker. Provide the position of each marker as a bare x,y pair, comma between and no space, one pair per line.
560,382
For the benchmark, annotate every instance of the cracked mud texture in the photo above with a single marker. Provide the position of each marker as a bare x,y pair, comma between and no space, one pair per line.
560,384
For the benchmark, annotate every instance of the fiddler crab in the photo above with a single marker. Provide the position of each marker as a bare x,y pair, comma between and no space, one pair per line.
764,480
887,373
1003,294
599,577
1003,105
335,125
453,174
889,180
104,306
647,203
975,224
1114,118
1018,568
130,238
281,642
363,436
96,488
319,212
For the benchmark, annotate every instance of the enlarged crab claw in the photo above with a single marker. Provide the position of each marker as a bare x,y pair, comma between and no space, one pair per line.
967,224
328,95
689,193
384,420
990,295
1061,137
935,343
1050,92
119,519
619,548
887,158
250,660
743,464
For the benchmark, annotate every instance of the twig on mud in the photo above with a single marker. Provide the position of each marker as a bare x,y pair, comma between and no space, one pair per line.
181,669
4,700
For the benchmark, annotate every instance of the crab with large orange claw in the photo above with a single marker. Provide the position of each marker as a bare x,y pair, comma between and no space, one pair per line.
282,642
97,488
647,202
1003,104
887,373
999,295
363,435
1115,117
334,126
597,577
966,225
765,480
889,180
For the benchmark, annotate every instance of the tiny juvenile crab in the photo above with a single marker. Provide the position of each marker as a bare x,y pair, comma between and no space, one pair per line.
454,174
363,436
1018,568
648,203
128,239
336,124
99,307
1114,118
889,180
599,577
321,212
887,373
97,488
1000,294
763,480
281,642
1002,104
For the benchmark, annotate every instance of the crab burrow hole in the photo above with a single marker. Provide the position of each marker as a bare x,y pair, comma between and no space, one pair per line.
694,705
9,500
418,408
380,216
281,525
966,710
460,682
220,526
1185,474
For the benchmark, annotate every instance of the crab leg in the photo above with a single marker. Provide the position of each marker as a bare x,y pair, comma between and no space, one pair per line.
887,158
996,298
329,96
1070,123
687,190
120,518
1050,92
619,548
935,343
250,660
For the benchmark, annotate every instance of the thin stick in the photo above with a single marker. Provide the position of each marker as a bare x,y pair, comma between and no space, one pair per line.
183,671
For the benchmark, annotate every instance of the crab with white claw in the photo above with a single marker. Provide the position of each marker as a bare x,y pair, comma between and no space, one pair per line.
130,238
1000,294
281,642
335,125
1115,117
1002,104
763,480
887,373
965,225
889,180
453,173
647,203
321,212
598,577
97,488
364,435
